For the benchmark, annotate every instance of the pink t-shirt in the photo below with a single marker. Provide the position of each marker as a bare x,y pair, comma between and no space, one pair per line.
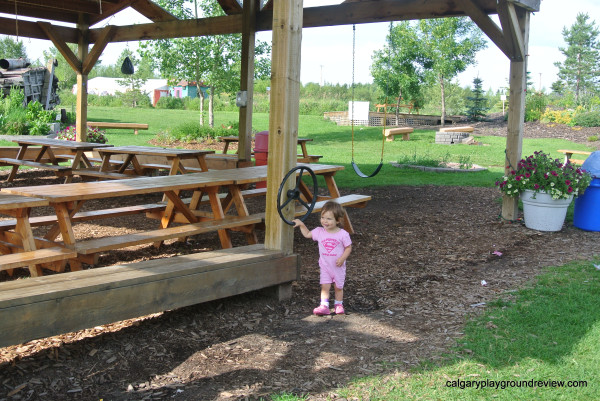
331,246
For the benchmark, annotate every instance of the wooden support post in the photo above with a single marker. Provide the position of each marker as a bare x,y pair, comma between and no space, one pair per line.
82,82
247,80
516,112
283,121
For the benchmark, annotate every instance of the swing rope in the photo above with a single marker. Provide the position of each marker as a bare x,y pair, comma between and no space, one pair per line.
353,163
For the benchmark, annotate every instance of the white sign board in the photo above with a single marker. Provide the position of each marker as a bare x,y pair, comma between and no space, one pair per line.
360,112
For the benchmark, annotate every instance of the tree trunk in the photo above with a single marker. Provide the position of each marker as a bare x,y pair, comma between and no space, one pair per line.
443,92
211,108
398,107
201,107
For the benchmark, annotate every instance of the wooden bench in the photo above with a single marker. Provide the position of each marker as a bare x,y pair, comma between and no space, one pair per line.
59,170
569,153
456,129
123,241
37,221
134,126
39,256
390,133
308,158
354,200
50,305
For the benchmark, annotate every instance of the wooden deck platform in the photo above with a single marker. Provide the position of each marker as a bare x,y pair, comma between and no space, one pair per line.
49,305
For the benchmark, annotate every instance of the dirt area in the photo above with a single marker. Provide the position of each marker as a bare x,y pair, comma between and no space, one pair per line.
419,257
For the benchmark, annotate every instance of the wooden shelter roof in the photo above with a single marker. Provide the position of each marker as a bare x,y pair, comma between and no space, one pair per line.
165,25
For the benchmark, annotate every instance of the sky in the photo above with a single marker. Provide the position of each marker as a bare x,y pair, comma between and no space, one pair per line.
327,51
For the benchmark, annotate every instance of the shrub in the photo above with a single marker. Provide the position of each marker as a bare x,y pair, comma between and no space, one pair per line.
93,134
534,106
169,102
592,138
589,119
558,116
195,132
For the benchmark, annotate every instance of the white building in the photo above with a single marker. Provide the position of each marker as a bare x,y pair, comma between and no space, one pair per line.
110,86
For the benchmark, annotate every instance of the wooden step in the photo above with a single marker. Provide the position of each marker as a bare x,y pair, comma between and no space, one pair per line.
186,230
27,258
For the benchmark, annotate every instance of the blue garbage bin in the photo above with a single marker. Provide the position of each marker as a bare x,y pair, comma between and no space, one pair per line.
586,214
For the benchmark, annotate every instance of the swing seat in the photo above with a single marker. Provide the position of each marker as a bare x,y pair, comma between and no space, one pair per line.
390,133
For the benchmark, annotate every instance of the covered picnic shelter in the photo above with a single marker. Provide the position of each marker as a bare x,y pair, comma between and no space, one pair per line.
286,19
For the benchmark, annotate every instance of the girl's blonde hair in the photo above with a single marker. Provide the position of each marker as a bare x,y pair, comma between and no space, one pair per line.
336,209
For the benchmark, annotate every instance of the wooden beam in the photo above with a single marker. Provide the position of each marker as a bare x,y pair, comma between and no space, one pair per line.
515,33
283,117
247,80
30,29
61,45
152,11
176,29
96,52
371,11
486,24
231,6
529,5
516,114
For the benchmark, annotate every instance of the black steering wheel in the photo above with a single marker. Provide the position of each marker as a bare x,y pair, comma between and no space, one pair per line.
294,194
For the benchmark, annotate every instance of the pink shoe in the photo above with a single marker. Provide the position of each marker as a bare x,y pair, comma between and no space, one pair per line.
321,310
339,309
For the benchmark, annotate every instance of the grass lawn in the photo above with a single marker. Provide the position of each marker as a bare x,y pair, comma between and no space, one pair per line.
335,144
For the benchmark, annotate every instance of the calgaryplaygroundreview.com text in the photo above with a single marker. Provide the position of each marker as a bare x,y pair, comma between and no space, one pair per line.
502,384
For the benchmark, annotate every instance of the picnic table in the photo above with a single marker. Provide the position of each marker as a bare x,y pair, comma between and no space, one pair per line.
72,150
129,164
569,154
303,157
68,199
18,246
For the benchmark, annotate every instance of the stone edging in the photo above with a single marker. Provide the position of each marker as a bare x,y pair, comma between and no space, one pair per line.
475,168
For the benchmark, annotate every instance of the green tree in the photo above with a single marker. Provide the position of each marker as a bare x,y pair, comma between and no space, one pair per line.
209,60
448,46
10,48
396,70
580,70
478,103
434,50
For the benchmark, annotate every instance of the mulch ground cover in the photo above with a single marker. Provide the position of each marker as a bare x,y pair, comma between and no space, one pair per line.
414,276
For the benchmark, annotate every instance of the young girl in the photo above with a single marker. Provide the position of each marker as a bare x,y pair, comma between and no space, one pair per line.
334,248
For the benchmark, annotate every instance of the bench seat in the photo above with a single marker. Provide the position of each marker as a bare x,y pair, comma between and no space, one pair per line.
456,129
134,126
58,169
390,133
123,241
36,221
568,153
353,200
39,256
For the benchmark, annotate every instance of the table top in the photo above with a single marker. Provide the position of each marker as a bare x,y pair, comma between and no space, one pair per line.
11,202
60,143
135,186
56,193
154,151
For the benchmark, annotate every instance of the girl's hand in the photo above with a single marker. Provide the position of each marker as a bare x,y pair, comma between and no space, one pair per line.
339,262
297,223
